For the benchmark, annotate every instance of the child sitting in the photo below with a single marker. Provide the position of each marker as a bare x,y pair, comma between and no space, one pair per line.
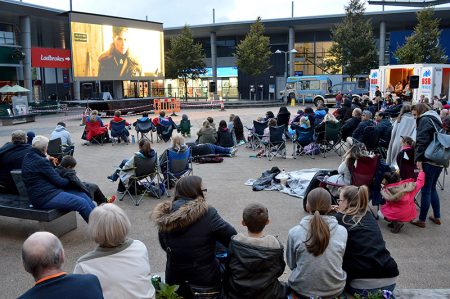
315,251
399,195
255,259
66,170
185,126
405,159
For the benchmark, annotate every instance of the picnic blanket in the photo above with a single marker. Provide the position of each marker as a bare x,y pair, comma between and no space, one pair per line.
296,184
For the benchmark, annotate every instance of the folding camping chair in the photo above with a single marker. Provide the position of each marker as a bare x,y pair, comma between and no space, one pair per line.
371,139
302,138
332,140
256,134
276,145
146,172
57,150
119,131
164,130
99,137
145,128
178,164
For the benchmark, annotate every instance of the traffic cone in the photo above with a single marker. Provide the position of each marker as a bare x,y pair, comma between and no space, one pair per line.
292,102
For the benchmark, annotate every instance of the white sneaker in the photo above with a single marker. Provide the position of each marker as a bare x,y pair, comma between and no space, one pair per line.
233,151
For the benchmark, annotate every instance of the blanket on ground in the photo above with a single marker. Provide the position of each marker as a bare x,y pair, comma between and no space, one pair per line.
296,184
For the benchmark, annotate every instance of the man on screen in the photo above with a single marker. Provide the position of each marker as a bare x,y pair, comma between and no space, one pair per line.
117,62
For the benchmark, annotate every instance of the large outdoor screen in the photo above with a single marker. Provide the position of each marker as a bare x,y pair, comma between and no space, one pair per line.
105,48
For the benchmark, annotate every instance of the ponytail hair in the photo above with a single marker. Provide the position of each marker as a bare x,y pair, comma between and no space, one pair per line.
357,202
318,203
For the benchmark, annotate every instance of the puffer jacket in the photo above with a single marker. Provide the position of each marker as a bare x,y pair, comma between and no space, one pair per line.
254,271
207,135
42,181
188,232
425,133
399,198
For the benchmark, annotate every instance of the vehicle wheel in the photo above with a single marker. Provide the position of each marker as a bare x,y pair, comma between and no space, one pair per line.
319,101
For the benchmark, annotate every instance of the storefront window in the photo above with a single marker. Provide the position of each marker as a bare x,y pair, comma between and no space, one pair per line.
7,36
310,58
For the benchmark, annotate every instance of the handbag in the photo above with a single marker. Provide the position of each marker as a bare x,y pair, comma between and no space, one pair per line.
438,151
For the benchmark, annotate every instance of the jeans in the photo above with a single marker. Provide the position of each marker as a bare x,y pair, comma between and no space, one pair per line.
365,293
219,150
429,192
115,175
72,201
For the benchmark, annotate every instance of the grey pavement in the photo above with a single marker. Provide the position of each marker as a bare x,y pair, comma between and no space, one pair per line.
423,255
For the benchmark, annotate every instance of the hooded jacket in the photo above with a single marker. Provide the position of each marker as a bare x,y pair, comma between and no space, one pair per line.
42,181
399,198
425,133
11,157
254,271
188,232
316,275
207,135
61,132
224,137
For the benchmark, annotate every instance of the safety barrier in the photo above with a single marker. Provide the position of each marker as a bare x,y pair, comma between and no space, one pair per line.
168,105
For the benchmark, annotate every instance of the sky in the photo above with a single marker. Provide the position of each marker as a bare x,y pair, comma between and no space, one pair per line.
174,13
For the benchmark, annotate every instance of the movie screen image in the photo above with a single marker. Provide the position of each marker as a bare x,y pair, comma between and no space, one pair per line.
113,52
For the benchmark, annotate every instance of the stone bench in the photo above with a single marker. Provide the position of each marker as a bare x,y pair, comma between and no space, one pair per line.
17,119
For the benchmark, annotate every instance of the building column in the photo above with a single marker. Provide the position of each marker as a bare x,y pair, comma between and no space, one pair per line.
382,42
291,46
76,90
25,41
214,59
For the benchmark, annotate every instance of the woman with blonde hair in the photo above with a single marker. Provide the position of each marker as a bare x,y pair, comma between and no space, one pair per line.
121,264
368,263
315,250
177,146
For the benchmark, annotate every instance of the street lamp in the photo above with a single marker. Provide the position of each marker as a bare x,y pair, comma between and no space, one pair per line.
285,66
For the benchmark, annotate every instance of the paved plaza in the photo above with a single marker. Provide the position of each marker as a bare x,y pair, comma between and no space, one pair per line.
423,255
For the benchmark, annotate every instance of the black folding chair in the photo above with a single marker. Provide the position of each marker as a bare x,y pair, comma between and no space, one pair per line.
256,134
276,145
57,150
146,178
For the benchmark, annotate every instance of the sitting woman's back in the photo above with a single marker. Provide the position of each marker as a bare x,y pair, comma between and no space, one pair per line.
315,250
121,264
224,136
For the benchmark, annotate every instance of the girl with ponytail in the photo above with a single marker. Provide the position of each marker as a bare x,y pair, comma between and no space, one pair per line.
315,250
368,263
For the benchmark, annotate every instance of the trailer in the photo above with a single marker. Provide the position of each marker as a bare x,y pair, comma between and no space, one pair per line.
428,80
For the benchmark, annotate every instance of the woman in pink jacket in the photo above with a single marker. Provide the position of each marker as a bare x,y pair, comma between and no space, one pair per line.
399,196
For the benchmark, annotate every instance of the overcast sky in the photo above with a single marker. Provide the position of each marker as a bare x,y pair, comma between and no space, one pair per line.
173,13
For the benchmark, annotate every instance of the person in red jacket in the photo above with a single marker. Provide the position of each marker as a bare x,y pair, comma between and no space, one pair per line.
399,196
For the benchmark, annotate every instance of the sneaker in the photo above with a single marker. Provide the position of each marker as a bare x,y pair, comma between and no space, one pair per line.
233,152
110,178
241,142
111,199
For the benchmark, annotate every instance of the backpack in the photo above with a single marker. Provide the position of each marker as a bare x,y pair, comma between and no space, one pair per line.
207,159
311,149
438,151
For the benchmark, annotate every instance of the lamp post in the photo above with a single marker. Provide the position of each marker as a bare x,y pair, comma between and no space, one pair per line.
285,67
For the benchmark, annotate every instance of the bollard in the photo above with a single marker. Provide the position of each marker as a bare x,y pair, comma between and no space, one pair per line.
133,141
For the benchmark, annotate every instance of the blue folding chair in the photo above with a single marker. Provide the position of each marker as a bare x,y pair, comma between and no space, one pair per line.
119,131
178,164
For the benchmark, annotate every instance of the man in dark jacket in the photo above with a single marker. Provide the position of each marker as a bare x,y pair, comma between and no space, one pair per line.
384,128
255,260
46,188
43,257
366,121
351,124
11,157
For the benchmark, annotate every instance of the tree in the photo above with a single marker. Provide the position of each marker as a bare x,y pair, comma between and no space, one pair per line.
422,46
253,52
185,59
353,50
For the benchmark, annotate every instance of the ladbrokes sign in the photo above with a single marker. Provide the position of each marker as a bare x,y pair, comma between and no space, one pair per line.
51,58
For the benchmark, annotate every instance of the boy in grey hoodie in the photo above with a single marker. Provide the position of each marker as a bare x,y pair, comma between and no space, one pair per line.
315,256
